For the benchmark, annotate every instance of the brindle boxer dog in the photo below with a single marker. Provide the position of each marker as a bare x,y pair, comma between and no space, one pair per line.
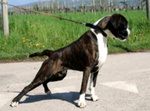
87,54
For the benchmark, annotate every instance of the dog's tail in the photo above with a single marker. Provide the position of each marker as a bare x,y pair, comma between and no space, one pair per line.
43,53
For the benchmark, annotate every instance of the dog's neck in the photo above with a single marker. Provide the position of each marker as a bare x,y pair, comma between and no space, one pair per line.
97,29
100,30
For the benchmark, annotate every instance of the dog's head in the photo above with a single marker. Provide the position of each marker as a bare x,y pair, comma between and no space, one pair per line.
116,26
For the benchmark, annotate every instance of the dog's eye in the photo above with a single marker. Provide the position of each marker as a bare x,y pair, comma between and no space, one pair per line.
122,27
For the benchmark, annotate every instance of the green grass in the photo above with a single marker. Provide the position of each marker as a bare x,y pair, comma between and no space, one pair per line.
31,33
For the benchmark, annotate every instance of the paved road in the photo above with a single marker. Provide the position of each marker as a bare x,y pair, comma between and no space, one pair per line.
123,85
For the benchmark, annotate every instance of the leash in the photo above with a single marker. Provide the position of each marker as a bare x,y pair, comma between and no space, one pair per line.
61,18
43,13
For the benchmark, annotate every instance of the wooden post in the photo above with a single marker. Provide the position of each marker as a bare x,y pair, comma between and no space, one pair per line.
5,18
73,6
82,9
148,9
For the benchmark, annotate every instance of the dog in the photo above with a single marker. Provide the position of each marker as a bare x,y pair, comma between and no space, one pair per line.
87,54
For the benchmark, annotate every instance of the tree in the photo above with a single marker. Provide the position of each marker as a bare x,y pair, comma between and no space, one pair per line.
125,4
36,7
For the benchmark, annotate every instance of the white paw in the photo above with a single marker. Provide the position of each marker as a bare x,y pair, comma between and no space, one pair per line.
82,104
14,104
48,92
94,98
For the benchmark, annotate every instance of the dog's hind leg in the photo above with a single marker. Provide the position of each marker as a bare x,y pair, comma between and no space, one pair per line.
28,88
40,78
56,77
46,89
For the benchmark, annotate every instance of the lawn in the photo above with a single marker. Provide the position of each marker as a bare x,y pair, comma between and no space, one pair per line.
34,32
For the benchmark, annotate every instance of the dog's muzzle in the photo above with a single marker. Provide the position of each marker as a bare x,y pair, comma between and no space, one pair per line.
123,36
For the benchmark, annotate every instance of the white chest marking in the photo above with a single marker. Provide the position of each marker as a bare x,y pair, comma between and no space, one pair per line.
102,48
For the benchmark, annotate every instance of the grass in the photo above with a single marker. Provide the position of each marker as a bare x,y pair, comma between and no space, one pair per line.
31,33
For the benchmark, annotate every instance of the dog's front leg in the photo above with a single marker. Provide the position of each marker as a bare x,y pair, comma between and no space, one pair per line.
93,80
85,78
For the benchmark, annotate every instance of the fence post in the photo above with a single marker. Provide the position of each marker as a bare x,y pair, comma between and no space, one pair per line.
5,18
148,9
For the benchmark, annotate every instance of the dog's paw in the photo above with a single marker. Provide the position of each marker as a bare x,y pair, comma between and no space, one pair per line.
82,104
48,92
94,98
14,104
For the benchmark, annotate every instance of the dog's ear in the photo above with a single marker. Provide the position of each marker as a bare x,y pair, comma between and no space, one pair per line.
117,20
103,23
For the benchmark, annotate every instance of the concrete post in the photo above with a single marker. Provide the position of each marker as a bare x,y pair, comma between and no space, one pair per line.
5,18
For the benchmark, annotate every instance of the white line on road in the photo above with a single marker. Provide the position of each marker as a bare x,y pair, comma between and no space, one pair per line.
123,85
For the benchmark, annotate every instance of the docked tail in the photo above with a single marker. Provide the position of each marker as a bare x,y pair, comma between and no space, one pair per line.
44,53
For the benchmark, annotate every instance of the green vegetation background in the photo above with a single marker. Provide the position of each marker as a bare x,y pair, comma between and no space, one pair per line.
32,33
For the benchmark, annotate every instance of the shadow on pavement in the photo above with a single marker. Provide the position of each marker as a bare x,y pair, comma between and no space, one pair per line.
70,97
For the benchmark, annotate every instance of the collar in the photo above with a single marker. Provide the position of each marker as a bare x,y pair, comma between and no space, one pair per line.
96,28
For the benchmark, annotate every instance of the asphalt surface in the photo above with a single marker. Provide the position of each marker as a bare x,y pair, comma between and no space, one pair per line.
123,85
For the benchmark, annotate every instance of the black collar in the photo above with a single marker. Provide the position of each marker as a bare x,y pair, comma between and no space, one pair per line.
96,28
